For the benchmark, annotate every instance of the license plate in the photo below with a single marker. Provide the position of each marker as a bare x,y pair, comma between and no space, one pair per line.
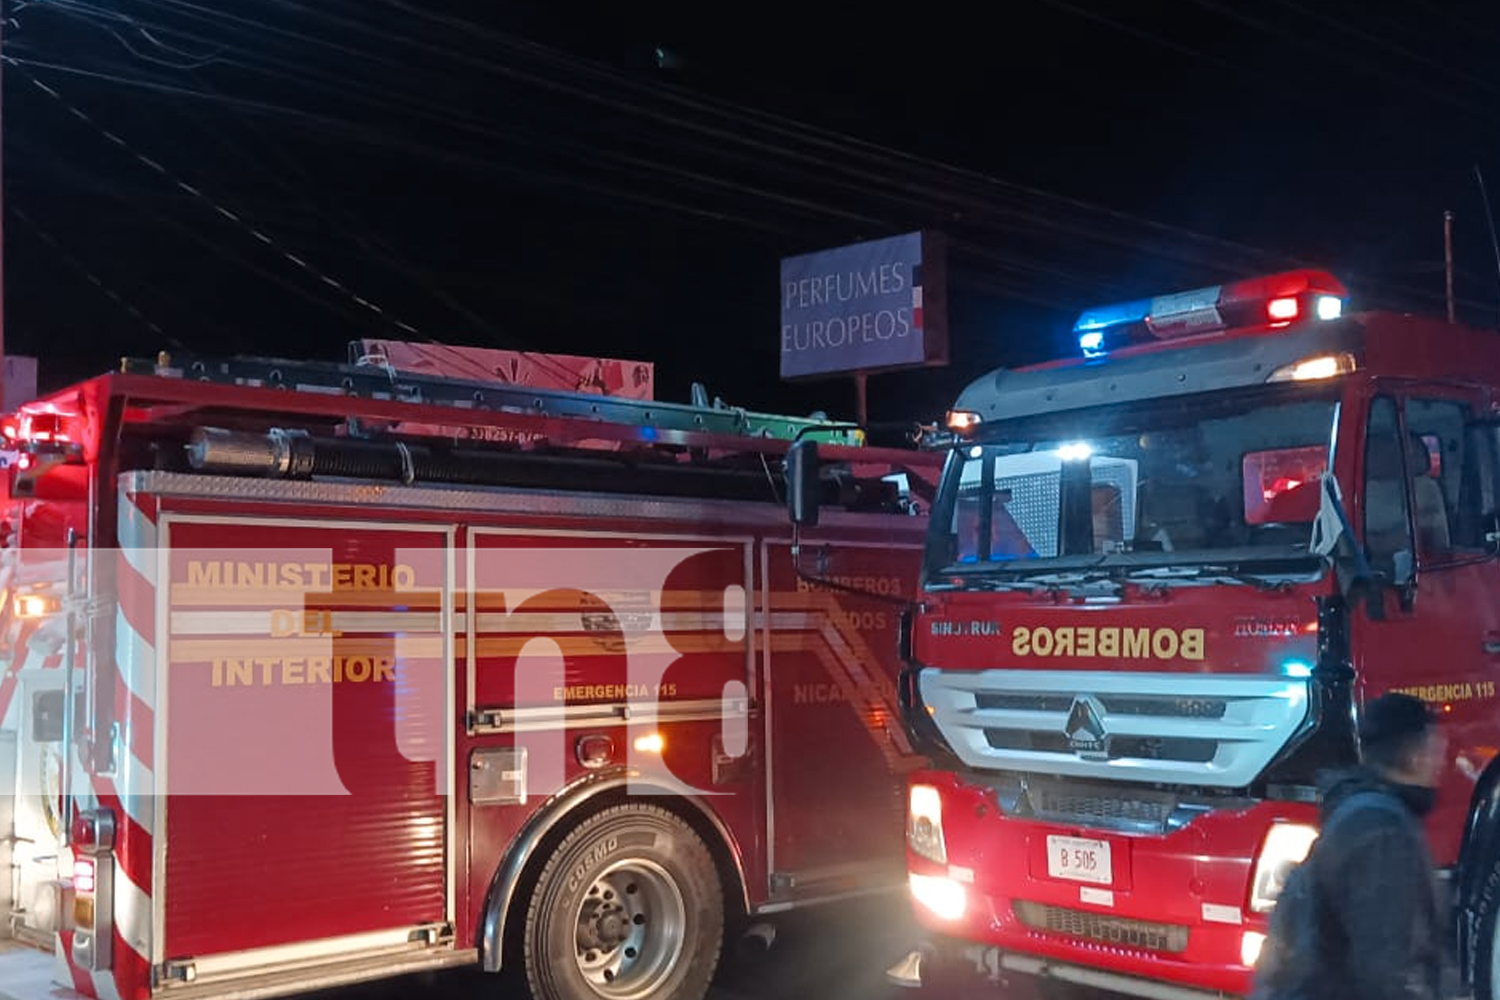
1079,860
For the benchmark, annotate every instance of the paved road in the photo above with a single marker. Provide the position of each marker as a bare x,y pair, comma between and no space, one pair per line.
836,953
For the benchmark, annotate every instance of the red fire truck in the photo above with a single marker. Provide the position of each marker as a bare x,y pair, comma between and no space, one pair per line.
1161,579
320,673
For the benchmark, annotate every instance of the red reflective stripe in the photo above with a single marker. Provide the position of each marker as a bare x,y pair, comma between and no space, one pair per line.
82,981
132,849
137,600
132,972
140,718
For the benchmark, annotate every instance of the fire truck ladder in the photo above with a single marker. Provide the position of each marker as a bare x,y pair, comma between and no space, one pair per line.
377,382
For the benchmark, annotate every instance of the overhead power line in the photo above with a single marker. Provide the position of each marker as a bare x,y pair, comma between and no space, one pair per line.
906,187
226,213
725,126
108,292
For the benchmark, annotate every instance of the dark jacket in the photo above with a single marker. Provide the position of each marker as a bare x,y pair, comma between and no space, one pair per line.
1380,932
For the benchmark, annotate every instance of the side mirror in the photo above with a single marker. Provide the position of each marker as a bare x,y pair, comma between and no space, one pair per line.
1484,445
1405,580
1491,525
1404,573
803,491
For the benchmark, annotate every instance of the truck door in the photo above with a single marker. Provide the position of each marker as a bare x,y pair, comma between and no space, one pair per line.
1439,636
838,753
307,742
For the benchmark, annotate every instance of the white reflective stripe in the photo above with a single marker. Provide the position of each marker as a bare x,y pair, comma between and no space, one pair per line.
104,985
36,659
136,787
633,620
888,736
205,630
277,956
789,620
132,526
290,624
849,658
132,914
259,623
141,560
514,596
136,659
62,972
641,712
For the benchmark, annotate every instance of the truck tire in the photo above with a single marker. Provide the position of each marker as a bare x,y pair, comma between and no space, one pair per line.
1486,956
629,906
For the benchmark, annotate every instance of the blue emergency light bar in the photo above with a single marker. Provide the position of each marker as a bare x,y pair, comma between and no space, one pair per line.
1271,302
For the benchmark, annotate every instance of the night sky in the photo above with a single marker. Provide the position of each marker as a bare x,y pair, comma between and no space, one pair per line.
279,178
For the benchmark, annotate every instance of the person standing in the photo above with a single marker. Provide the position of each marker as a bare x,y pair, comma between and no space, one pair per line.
1365,924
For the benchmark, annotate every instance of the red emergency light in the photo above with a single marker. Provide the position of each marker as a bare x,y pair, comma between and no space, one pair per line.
1273,301
92,831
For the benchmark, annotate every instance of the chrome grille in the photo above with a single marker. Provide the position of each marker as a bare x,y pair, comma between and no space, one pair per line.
1123,932
1171,706
1060,803
1195,729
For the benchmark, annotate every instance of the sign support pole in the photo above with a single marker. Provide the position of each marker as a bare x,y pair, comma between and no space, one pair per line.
3,401
861,398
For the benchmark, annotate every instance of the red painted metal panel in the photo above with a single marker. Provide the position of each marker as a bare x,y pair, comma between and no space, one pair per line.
840,751
623,619
572,621
1188,629
1174,878
304,768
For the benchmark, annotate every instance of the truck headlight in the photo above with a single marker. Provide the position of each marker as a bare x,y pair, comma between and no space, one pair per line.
924,824
1285,848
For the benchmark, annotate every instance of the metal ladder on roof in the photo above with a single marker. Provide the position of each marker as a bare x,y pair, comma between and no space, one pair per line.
383,383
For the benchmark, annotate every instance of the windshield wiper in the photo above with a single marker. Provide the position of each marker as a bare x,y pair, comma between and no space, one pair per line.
1034,578
1209,574
971,580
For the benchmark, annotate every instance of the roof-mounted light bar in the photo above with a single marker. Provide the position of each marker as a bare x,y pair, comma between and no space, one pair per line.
1270,302
1320,366
963,421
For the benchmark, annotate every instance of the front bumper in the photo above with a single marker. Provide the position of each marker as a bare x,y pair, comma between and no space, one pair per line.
1171,913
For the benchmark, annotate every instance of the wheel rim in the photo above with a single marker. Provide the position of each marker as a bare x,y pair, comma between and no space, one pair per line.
1495,960
630,929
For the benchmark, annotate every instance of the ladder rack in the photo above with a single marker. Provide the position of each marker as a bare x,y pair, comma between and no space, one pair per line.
377,382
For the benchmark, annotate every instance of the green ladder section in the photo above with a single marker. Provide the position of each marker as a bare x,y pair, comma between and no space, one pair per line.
376,382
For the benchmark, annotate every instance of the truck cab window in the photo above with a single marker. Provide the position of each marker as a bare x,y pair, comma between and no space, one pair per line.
1444,477
1388,538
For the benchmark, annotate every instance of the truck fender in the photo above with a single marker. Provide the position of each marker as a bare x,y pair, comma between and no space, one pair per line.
1477,854
550,818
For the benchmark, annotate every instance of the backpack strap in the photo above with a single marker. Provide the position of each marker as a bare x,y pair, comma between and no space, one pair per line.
1371,797
1351,806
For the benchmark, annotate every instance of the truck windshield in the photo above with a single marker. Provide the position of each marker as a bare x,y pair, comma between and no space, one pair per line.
1222,478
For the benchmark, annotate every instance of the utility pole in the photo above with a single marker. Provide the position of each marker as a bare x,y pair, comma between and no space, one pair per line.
1448,260
3,365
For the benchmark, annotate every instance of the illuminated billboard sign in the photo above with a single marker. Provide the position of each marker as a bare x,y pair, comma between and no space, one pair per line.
867,307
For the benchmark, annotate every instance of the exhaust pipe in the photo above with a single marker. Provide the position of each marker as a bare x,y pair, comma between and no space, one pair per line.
908,971
756,941
290,454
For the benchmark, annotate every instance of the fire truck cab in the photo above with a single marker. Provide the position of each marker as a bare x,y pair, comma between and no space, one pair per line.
321,673
1160,580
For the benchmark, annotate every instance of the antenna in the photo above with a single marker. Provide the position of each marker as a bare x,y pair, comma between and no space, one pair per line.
1489,218
1448,259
